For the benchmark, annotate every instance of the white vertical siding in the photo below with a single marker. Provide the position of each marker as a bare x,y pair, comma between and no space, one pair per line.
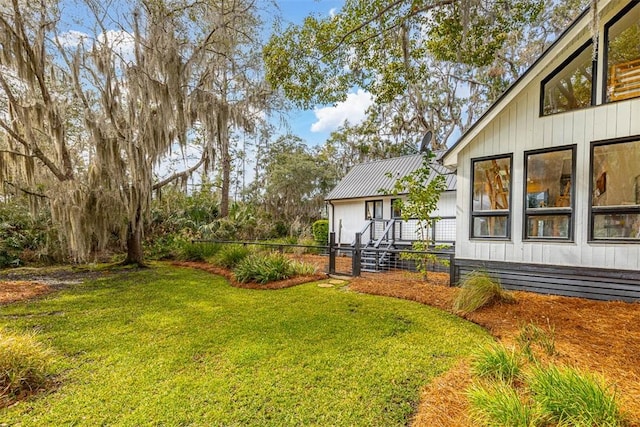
519,128
352,214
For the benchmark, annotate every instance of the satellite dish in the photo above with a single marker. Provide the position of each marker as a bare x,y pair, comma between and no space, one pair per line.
426,140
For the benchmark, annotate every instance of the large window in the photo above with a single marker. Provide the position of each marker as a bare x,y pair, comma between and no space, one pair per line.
491,192
615,190
623,55
548,193
373,209
569,87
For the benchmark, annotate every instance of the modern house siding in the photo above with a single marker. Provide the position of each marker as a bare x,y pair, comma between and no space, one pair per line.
514,126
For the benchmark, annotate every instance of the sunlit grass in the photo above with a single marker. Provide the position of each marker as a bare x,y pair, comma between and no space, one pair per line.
170,346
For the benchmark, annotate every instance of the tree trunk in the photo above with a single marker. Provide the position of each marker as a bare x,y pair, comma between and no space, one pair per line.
134,246
226,178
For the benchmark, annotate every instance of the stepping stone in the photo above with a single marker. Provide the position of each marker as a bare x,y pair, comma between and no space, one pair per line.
337,282
325,285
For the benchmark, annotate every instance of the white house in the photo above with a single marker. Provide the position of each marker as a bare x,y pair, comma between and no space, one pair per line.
358,201
548,193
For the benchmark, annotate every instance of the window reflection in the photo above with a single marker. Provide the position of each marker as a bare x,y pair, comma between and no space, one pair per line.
615,195
569,88
623,56
549,185
491,197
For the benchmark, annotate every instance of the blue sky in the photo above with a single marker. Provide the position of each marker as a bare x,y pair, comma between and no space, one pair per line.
315,126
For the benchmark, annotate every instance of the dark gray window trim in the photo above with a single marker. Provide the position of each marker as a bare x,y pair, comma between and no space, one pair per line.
594,79
606,209
501,213
526,211
374,208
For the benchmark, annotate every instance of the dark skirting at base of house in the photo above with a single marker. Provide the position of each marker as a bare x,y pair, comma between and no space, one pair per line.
592,283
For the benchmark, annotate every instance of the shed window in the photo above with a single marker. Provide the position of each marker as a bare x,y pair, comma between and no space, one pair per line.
623,55
548,193
491,192
615,190
396,208
373,209
569,87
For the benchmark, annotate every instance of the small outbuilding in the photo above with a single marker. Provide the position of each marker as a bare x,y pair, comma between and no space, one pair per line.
358,203
548,195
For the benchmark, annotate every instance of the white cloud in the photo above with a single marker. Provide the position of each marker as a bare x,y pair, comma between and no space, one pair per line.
333,12
352,110
121,42
73,38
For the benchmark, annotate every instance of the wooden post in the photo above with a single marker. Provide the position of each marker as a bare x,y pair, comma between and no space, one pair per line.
357,256
332,252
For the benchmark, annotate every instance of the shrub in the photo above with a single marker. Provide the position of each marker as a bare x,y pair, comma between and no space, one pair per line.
570,397
229,256
25,365
497,404
320,230
265,268
478,290
198,251
497,363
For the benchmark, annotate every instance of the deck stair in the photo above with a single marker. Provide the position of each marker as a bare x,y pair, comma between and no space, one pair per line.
376,255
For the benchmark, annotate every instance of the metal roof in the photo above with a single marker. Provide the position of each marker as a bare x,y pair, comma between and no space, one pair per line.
370,179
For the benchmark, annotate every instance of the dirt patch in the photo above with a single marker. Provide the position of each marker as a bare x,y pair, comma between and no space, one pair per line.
19,290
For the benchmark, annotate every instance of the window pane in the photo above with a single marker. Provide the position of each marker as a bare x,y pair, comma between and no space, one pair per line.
616,226
491,184
548,226
623,57
373,209
570,88
616,174
549,179
490,226
396,212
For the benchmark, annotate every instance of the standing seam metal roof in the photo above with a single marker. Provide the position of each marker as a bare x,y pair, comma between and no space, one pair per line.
369,179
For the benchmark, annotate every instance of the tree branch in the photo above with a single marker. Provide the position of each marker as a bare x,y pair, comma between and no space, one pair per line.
183,174
25,191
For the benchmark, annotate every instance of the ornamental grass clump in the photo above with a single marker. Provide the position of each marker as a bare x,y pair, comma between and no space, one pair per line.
230,256
497,363
264,268
478,290
570,397
26,366
497,405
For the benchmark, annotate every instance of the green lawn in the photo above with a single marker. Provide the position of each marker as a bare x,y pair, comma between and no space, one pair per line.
173,346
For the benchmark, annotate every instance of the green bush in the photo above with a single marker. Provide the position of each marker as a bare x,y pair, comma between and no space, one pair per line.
498,405
570,397
264,268
320,230
25,365
478,290
229,256
497,363
198,251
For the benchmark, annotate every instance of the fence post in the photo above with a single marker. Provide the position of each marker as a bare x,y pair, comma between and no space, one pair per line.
356,257
452,268
332,253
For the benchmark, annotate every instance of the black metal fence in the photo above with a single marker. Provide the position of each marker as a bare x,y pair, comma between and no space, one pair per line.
355,259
